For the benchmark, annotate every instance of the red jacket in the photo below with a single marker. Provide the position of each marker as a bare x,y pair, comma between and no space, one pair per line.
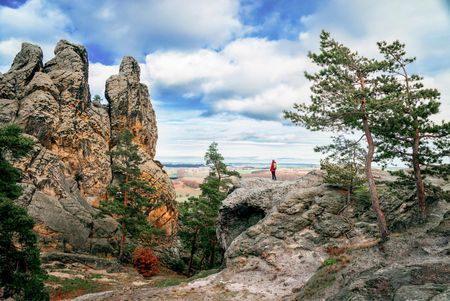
273,166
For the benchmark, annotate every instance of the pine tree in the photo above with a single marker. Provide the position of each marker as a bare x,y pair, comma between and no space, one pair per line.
345,96
198,215
407,132
344,164
97,99
131,197
21,276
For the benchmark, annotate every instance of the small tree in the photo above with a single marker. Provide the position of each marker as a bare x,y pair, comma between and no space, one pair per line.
131,197
344,164
407,132
198,216
21,276
97,99
346,95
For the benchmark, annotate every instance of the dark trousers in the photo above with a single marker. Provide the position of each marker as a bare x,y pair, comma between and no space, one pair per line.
274,177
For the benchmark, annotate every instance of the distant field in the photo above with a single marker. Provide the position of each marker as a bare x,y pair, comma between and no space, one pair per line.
187,179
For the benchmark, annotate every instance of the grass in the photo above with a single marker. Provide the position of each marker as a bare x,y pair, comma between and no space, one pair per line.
329,262
64,288
321,280
203,274
324,277
169,282
96,276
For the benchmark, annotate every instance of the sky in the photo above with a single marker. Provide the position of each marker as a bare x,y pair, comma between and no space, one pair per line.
225,70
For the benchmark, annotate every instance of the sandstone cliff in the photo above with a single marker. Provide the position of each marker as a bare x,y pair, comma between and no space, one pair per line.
301,241
68,170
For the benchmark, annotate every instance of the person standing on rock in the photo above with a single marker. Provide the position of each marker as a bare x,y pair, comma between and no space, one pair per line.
273,169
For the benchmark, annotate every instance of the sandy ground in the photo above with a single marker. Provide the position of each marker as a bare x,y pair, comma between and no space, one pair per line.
67,281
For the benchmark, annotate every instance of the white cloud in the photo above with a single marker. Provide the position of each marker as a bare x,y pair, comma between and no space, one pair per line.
269,103
98,74
137,27
176,68
249,76
10,47
189,134
441,82
36,19
8,50
37,22
422,25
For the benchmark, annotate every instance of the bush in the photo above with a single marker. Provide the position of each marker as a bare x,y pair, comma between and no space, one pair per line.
145,262
329,262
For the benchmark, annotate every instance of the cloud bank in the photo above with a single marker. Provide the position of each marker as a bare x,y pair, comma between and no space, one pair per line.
225,70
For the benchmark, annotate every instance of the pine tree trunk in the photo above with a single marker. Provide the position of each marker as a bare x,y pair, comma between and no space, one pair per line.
125,203
419,181
368,164
202,262
122,241
222,256
349,193
212,255
193,249
372,187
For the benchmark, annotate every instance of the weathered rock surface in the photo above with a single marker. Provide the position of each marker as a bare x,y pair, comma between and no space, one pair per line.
301,241
68,171
130,109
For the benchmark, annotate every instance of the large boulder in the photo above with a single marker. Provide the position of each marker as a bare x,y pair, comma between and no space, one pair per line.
67,173
301,240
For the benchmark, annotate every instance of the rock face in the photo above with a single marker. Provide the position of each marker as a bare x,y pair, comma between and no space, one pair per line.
68,171
301,241
130,109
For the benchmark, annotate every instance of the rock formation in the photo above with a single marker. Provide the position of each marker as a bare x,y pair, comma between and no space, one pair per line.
301,241
68,171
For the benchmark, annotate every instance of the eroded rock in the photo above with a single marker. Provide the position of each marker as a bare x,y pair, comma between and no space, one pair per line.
300,240
68,171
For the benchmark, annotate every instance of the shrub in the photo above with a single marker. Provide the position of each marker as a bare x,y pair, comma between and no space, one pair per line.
145,262
329,262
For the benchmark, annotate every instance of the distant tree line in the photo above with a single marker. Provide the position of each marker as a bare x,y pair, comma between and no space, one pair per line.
388,104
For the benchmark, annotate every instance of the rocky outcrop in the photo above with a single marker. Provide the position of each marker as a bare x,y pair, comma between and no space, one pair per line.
301,241
68,171
130,109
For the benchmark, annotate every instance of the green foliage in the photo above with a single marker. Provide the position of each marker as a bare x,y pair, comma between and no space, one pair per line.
21,276
407,131
97,99
329,262
12,143
344,164
73,285
198,215
342,176
169,282
131,198
321,280
215,160
348,93
409,121
345,91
